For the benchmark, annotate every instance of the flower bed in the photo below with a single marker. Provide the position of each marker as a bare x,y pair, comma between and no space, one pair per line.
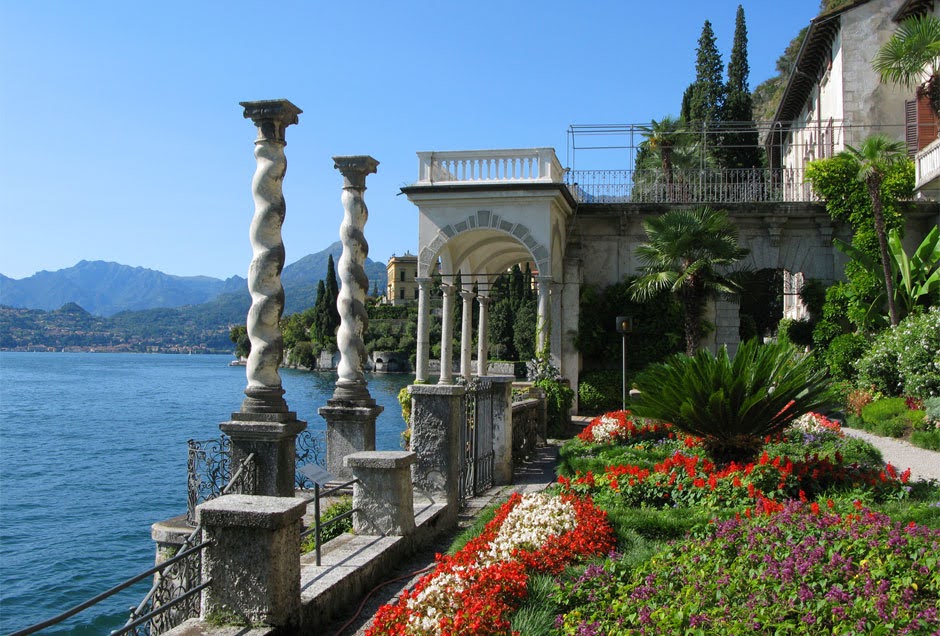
802,570
475,590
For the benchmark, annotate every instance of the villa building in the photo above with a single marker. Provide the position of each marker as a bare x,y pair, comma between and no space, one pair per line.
402,287
835,99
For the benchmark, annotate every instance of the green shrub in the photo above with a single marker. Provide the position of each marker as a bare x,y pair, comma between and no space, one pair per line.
926,439
341,506
733,404
600,391
798,332
884,409
894,427
932,413
843,353
905,360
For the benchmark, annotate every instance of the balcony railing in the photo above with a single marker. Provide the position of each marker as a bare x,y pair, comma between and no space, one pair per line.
689,186
525,165
927,164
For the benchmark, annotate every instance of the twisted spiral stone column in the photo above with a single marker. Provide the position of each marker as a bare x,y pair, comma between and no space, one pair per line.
264,428
264,392
350,303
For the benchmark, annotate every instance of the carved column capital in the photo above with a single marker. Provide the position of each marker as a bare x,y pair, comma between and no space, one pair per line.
467,295
424,283
354,169
483,300
272,117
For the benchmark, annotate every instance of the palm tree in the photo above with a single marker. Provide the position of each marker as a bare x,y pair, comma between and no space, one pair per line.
874,157
663,136
684,253
912,55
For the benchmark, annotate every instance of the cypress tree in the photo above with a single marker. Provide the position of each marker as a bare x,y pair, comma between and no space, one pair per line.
739,141
706,93
332,293
319,314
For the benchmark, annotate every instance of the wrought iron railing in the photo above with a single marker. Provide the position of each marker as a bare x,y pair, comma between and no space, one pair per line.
689,186
476,439
174,594
310,449
525,429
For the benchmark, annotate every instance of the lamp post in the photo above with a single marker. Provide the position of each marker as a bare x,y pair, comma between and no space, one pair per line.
624,326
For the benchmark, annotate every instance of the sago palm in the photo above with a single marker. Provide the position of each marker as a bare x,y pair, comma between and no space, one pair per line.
733,404
873,158
686,252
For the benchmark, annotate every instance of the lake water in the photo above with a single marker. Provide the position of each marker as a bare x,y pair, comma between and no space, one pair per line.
93,451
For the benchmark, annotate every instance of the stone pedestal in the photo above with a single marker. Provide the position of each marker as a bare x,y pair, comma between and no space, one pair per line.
383,495
350,428
437,413
502,430
271,437
253,559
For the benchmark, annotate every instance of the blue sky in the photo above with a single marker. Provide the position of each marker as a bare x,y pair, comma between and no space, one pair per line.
123,139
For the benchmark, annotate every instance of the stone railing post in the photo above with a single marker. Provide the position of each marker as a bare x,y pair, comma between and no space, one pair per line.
351,413
382,495
253,560
264,425
437,413
502,429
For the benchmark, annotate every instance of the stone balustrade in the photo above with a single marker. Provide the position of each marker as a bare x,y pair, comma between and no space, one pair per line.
490,166
927,164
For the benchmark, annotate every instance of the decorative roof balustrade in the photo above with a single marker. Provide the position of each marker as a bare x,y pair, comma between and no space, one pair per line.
525,165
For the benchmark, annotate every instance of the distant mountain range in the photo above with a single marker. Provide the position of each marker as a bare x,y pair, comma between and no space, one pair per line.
108,306
105,289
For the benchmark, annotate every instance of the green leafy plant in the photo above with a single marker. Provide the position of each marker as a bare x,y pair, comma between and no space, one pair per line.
341,506
905,360
733,404
600,391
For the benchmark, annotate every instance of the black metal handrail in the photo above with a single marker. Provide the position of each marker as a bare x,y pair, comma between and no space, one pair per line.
111,592
318,524
188,549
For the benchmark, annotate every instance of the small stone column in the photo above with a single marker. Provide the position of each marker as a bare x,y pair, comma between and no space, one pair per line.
502,430
253,559
383,495
466,335
424,329
542,322
264,426
437,414
447,335
483,341
351,413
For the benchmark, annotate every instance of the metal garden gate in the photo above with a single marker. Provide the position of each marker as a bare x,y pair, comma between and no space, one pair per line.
476,440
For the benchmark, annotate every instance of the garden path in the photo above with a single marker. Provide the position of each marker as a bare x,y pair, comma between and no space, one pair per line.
924,464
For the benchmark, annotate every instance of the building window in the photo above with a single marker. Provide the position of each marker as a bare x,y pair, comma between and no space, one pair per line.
401,294
403,276
416,294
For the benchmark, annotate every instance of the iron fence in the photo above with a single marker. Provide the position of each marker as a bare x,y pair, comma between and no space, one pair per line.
689,186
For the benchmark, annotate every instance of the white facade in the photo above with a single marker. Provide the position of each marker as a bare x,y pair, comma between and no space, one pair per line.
834,98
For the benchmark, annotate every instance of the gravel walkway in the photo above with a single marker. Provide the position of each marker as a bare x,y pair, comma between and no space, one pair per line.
924,464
